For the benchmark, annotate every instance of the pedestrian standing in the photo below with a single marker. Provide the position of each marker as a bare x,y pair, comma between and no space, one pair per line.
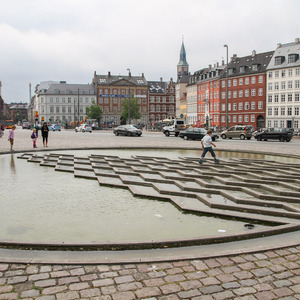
1,130
207,144
45,131
11,137
34,138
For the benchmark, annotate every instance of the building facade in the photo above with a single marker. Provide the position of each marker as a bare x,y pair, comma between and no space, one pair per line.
246,90
208,96
283,86
162,103
113,89
63,103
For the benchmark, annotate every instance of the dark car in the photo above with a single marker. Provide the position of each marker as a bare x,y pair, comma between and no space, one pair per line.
193,133
281,134
129,130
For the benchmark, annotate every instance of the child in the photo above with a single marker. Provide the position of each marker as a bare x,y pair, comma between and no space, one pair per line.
207,144
11,137
34,137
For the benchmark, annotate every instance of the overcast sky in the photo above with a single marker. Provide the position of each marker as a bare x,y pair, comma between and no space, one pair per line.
70,39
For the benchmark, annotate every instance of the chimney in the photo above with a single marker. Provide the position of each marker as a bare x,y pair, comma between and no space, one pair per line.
223,62
209,66
297,40
217,64
278,45
253,52
143,75
161,78
0,87
108,73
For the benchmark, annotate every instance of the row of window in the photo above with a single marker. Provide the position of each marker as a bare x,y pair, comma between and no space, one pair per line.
283,97
282,73
115,100
241,93
69,100
159,99
243,80
233,106
281,123
163,108
122,92
282,85
274,111
239,118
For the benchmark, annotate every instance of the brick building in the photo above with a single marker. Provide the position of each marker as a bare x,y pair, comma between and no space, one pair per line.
113,89
162,103
246,90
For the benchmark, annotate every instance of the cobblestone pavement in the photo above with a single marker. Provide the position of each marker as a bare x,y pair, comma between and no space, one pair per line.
267,275
263,275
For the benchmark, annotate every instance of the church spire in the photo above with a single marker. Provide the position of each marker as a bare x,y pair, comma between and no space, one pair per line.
182,66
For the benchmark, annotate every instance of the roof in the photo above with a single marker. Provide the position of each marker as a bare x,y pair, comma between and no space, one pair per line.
158,87
70,89
121,80
284,50
247,65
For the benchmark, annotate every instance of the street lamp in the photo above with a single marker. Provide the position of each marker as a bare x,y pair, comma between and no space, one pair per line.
226,46
129,99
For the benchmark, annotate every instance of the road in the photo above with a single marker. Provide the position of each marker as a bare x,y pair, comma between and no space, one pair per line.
71,139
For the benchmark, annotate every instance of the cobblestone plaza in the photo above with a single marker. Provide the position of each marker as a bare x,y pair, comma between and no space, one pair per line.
265,274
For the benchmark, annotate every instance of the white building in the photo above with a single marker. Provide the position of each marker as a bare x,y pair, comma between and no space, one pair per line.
283,87
191,101
64,103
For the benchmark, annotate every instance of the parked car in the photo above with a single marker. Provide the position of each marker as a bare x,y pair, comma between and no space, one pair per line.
25,125
54,127
194,133
129,130
281,134
84,128
174,127
238,131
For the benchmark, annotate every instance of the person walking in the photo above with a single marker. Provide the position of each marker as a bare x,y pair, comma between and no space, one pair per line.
34,137
11,137
45,131
207,144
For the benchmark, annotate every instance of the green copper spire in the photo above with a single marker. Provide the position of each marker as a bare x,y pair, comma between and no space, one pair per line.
182,59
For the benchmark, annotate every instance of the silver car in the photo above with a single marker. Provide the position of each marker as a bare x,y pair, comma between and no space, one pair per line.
238,131
83,128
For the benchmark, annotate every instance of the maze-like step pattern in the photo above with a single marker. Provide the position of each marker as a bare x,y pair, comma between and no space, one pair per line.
261,190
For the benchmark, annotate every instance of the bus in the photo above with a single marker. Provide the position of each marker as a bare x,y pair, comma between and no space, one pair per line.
9,124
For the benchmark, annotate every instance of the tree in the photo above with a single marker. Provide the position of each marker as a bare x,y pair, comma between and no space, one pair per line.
134,109
94,112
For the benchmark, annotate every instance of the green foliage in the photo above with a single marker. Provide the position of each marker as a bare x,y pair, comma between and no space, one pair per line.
134,109
94,112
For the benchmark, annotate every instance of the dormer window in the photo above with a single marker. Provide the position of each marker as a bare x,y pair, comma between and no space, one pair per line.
255,67
279,60
242,69
293,58
230,71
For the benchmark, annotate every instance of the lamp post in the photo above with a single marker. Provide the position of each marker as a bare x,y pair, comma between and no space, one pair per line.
226,46
78,110
128,98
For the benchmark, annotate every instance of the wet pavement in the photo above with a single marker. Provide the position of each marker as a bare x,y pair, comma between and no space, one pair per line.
268,274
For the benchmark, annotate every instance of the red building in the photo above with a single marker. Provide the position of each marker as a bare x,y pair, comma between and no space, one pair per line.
246,90
208,96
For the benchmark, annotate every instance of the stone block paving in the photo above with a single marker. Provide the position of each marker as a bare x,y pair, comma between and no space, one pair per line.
273,274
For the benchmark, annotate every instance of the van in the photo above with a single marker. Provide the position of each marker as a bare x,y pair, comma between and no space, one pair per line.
238,131
174,127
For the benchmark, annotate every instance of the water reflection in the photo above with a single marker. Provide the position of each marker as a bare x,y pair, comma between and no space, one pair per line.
12,163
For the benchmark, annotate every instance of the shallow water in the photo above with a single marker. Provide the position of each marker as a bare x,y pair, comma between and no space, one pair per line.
39,204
